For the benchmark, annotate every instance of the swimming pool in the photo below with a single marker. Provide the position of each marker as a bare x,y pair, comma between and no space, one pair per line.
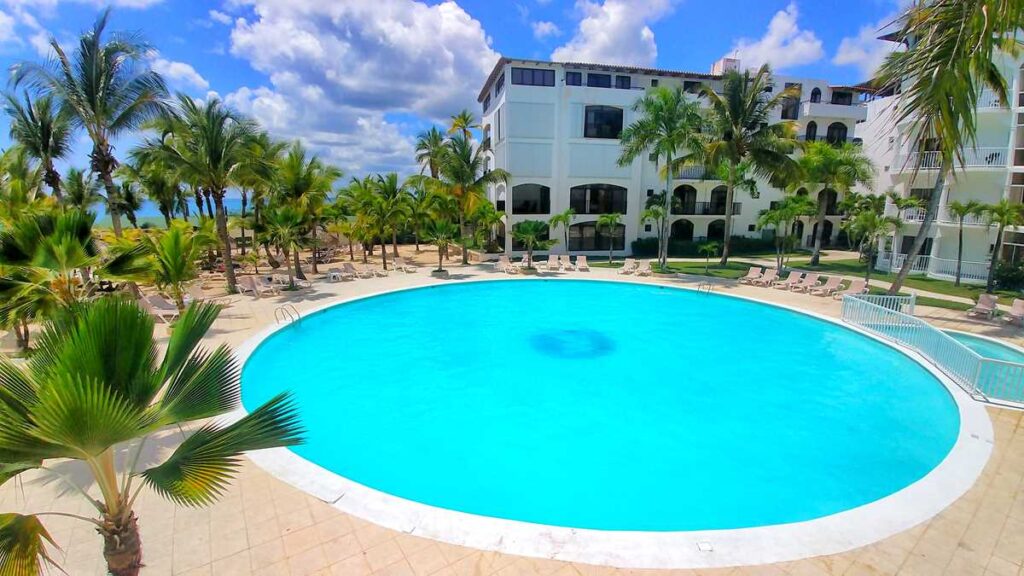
606,406
987,347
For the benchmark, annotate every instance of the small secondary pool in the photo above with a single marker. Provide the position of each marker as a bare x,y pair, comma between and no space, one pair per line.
605,405
988,348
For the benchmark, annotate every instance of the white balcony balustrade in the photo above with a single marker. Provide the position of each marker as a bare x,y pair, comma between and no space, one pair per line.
974,158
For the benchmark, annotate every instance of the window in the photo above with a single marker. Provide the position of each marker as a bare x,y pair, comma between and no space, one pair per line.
602,122
654,82
816,95
531,199
836,133
652,157
622,82
499,84
812,131
691,86
573,78
487,102
599,80
597,199
533,77
844,98
791,105
647,227
497,122
751,227
586,236
650,192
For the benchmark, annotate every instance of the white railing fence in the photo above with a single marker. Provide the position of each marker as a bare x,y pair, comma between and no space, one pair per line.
981,377
989,157
969,271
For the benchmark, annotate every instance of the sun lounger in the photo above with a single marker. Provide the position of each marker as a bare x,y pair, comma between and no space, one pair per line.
262,285
831,285
337,275
809,281
857,287
986,306
246,284
566,261
159,307
754,273
581,264
1016,313
792,280
195,294
378,272
401,264
282,280
524,262
628,266
502,263
767,278
357,272
643,268
553,264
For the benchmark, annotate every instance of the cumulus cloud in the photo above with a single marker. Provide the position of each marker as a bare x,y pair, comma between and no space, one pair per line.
544,29
783,45
865,50
615,32
336,68
179,73
7,33
220,17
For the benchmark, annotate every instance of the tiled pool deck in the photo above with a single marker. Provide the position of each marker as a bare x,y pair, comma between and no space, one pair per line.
264,526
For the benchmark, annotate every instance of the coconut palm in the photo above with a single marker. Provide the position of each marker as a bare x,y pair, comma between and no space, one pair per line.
256,179
738,131
81,190
285,227
157,182
563,219
837,168
960,211
667,127
871,227
306,182
441,233
1003,214
103,88
708,249
462,123
44,130
72,402
951,57
429,148
394,206
483,220
21,186
533,235
420,207
781,219
609,223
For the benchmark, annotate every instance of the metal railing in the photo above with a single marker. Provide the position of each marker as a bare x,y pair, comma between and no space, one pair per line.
972,158
706,208
918,214
693,173
887,262
944,268
286,313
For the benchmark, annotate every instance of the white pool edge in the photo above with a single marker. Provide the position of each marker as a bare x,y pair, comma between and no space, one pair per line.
832,534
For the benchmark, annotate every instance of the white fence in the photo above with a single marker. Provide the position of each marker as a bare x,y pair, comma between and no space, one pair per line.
981,377
943,268
990,157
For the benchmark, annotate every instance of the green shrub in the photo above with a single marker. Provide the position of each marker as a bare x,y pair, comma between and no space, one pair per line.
740,245
1009,276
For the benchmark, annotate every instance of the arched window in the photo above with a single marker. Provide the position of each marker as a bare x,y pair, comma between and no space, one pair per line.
717,204
531,199
812,130
797,229
602,122
826,234
597,199
816,95
831,200
586,236
682,230
836,133
801,192
716,230
684,200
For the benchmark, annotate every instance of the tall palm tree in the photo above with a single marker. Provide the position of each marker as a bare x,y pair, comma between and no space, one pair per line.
156,181
285,226
429,148
44,130
609,223
256,178
667,127
739,131
781,219
441,233
563,219
533,235
21,186
960,211
837,168
871,227
420,206
72,402
104,88
81,190
1003,214
306,182
394,205
463,123
950,58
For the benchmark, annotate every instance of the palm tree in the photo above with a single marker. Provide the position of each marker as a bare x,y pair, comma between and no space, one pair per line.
394,206
128,202
871,227
45,132
951,56
563,219
306,182
533,235
781,219
81,190
420,205
668,126
838,168
429,149
72,402
609,223
157,183
104,88
708,249
21,186
256,176
1003,214
165,259
441,233
738,131
462,123
483,221
284,226
960,211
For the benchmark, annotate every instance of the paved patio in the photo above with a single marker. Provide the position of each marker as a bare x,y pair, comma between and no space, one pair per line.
264,526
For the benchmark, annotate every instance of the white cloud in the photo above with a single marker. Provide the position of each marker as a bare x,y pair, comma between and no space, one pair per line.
336,68
218,16
179,73
543,29
615,32
865,50
783,45
7,33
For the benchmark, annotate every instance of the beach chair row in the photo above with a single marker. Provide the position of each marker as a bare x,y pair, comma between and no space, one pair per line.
807,282
554,263
348,271
988,305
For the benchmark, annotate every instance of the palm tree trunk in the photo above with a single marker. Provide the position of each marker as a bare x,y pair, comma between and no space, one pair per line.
122,547
225,241
167,217
990,283
871,257
298,265
291,275
663,232
394,243
959,251
315,246
440,259
270,257
730,188
199,203
209,208
462,239
245,202
112,209
926,228
819,231
52,179
383,252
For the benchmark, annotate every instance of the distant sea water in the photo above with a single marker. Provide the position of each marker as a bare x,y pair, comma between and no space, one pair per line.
149,213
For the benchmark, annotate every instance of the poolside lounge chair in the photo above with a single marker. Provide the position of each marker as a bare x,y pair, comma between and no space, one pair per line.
767,278
628,266
159,307
195,294
857,287
754,273
524,262
378,272
581,264
566,261
643,268
357,272
502,263
809,281
986,306
792,280
337,275
831,285
554,263
282,280
262,285
1016,313
247,284
401,264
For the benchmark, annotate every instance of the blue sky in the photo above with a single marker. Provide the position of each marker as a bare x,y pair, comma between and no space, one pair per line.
357,79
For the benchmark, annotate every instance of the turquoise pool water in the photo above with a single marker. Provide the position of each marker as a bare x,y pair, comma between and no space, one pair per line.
988,348
605,405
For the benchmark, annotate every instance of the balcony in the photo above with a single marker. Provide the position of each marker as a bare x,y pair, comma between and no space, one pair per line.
973,159
693,173
944,217
988,100
932,267
855,112
707,209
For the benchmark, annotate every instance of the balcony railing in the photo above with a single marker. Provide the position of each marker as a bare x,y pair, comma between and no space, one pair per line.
854,111
973,158
941,268
944,215
693,173
988,99
706,209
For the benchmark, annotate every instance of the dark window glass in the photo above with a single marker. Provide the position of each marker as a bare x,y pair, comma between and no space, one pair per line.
597,199
533,77
791,105
586,236
499,84
574,78
623,82
691,86
531,199
836,133
602,122
487,102
844,98
816,95
599,80
812,131
654,82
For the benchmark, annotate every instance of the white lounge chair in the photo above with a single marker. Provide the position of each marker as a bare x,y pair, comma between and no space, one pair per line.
628,266
754,273
766,279
809,281
337,275
246,284
581,264
1016,313
831,285
262,285
566,261
379,272
159,307
792,280
357,272
643,268
401,264
195,294
502,263
554,264
857,287
986,306
524,262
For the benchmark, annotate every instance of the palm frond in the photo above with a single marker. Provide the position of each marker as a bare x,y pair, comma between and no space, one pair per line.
23,546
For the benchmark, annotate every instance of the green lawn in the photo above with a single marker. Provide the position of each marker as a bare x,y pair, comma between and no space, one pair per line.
731,271
854,267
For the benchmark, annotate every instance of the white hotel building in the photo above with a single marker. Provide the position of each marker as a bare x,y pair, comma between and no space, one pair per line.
554,127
